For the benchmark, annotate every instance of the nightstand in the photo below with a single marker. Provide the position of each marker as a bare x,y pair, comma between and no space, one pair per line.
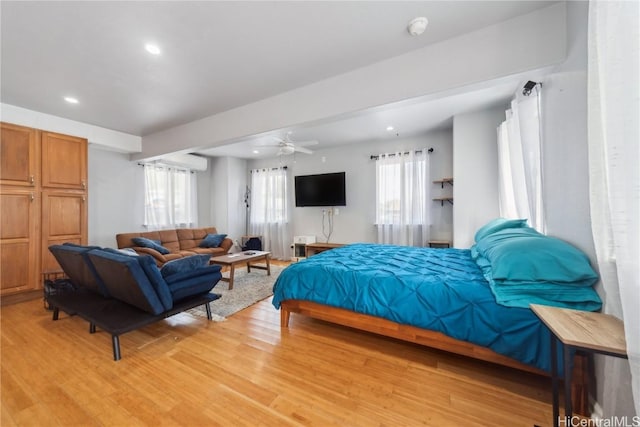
578,330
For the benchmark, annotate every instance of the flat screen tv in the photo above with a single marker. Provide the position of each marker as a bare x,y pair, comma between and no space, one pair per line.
327,189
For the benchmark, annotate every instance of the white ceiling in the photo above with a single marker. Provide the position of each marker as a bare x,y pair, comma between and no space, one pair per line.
220,55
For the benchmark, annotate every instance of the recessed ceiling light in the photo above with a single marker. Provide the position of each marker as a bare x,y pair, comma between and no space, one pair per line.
390,128
71,99
256,152
152,49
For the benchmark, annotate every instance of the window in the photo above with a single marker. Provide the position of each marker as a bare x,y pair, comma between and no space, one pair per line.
170,197
269,210
519,161
269,196
402,198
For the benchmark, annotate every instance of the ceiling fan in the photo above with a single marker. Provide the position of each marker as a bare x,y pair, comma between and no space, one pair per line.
286,146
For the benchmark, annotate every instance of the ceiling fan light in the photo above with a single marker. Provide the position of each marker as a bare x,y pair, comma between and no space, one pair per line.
287,149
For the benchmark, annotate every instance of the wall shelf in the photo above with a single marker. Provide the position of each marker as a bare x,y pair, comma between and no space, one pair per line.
443,199
444,181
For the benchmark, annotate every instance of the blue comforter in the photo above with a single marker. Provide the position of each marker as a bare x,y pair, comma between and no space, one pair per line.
437,289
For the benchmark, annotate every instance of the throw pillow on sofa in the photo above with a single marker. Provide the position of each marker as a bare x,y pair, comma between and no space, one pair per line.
184,264
212,240
148,243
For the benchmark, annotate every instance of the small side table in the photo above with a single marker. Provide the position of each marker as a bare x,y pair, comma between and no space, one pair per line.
579,330
315,248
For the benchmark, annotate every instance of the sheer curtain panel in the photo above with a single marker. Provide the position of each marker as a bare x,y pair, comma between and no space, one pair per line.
403,200
614,181
170,197
520,161
269,210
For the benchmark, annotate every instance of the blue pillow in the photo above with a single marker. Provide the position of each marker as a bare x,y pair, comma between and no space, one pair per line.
184,264
148,243
523,255
212,240
497,225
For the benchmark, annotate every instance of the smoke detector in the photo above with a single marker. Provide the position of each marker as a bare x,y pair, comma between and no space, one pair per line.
417,25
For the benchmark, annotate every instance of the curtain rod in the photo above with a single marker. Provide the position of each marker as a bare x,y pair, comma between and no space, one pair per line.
377,156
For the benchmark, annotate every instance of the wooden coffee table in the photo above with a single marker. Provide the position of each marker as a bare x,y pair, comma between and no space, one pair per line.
245,257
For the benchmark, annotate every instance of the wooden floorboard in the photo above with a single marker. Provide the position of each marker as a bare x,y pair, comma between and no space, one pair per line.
188,371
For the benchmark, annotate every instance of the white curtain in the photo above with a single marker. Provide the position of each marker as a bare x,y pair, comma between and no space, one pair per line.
403,200
614,161
170,197
269,210
520,161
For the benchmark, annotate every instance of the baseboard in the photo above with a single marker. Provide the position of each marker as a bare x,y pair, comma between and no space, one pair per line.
21,297
596,410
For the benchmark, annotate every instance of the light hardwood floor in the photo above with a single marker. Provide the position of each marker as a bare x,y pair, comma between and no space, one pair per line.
247,371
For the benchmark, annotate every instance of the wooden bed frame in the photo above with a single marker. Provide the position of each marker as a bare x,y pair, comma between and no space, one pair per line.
432,339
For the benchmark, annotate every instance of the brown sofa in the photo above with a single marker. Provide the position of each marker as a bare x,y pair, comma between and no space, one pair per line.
181,242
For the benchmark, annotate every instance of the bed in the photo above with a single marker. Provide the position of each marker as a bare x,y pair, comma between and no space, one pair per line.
447,298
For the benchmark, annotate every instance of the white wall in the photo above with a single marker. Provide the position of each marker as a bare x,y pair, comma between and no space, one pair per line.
116,196
475,170
221,196
355,221
565,152
236,209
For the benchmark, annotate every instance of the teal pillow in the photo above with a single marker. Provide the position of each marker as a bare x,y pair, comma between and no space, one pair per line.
184,264
212,240
148,243
520,255
497,225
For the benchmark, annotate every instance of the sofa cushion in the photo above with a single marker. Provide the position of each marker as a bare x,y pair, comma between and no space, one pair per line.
191,237
125,280
78,267
188,284
212,240
148,243
184,264
128,251
209,251
152,271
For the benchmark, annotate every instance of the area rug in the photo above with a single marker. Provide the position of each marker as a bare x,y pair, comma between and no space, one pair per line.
248,289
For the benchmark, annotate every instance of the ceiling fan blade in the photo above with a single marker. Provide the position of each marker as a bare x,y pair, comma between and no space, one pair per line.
268,143
302,150
306,143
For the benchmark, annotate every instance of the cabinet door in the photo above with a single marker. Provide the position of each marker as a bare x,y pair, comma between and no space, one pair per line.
64,161
19,241
64,219
18,156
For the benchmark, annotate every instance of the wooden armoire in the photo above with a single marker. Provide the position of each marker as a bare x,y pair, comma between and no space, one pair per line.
43,201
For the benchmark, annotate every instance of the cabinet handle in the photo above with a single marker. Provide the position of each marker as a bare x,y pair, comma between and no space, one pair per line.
32,180
32,197
84,185
84,199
